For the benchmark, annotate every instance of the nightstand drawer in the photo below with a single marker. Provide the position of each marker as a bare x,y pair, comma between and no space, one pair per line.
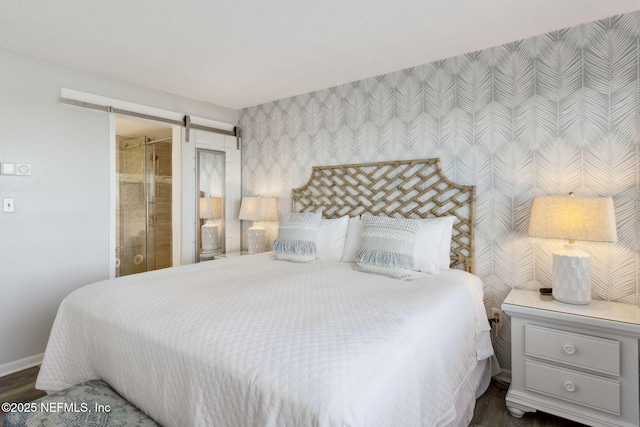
584,389
597,354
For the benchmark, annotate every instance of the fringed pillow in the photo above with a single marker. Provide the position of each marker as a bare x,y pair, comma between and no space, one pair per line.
297,234
387,246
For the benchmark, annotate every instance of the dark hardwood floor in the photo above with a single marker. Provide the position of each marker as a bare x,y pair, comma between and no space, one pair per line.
491,411
19,387
490,408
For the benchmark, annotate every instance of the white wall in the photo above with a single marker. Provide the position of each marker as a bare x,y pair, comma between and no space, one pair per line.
58,238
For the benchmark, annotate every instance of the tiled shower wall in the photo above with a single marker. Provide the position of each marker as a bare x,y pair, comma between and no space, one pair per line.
164,185
547,115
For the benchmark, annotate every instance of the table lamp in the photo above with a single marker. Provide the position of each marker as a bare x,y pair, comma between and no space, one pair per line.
210,209
258,209
573,218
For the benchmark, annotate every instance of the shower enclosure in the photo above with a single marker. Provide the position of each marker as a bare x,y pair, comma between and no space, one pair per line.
143,205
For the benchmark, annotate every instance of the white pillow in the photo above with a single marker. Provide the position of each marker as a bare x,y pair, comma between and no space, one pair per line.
432,250
445,245
353,241
331,239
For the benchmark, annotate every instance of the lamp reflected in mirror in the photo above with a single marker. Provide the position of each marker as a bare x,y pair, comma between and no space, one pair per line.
210,210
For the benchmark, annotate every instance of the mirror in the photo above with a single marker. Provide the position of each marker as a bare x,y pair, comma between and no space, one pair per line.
210,175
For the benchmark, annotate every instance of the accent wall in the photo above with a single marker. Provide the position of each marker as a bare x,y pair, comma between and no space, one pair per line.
547,115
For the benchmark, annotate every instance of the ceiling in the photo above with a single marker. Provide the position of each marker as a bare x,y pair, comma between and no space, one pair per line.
239,53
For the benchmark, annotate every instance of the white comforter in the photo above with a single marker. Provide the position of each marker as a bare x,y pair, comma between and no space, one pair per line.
249,341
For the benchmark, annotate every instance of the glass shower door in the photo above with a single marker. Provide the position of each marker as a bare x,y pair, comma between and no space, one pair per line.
143,217
150,194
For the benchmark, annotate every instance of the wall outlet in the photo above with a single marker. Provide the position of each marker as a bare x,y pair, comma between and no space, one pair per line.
496,321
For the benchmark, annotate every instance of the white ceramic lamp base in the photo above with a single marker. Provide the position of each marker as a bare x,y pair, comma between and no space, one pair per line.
209,237
572,275
256,236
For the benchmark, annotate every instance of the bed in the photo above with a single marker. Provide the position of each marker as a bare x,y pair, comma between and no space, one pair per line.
253,341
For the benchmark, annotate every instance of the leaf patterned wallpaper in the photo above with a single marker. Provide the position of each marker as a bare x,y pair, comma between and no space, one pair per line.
547,115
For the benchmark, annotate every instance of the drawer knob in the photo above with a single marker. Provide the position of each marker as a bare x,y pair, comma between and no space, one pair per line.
569,349
569,386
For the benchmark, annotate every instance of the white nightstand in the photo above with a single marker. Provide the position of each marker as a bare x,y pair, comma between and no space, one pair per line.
217,255
231,254
207,256
579,362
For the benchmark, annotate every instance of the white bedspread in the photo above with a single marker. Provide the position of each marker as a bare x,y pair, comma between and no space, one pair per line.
249,341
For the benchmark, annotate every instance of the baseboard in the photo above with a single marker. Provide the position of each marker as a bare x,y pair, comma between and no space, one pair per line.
20,365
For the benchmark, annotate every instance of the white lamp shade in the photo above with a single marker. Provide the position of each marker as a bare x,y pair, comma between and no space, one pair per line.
258,209
573,218
210,207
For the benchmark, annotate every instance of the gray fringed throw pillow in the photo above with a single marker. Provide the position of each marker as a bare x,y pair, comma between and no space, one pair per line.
387,246
297,234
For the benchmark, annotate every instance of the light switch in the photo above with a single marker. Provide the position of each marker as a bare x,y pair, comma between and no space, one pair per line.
8,168
8,205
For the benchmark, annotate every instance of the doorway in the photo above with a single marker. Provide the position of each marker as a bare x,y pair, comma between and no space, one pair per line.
143,196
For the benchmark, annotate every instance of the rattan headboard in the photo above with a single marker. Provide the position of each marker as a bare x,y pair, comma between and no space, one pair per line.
401,189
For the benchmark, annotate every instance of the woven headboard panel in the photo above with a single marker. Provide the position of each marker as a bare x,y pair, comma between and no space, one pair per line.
401,189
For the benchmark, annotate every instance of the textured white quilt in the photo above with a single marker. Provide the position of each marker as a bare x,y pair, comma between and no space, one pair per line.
249,341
